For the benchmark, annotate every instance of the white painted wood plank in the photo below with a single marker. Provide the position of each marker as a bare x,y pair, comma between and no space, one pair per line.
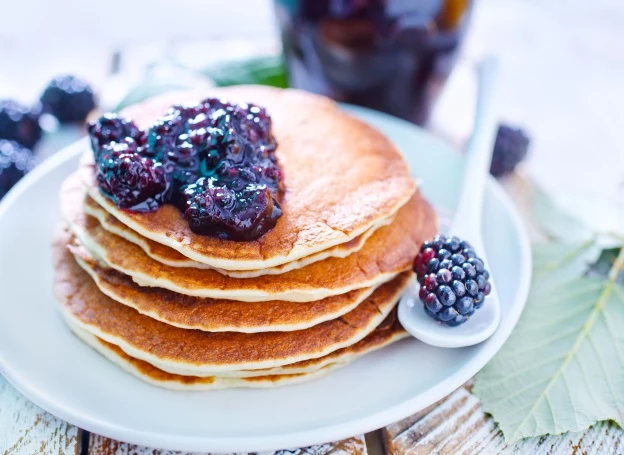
27,429
458,425
99,445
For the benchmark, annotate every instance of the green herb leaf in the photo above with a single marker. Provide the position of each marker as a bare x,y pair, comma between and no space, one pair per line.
259,71
262,71
556,222
562,369
578,217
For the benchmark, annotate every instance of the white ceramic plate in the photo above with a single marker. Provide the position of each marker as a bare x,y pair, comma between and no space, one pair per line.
43,360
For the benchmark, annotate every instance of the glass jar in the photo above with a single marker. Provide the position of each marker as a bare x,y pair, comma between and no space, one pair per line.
389,55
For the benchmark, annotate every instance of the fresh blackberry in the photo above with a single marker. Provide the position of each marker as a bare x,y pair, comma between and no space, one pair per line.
15,162
453,280
510,148
132,181
113,128
213,208
20,123
68,98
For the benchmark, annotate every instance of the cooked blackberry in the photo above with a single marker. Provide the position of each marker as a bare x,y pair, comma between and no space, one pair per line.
453,280
132,181
217,159
68,98
215,209
510,148
15,162
20,123
255,124
113,128
181,140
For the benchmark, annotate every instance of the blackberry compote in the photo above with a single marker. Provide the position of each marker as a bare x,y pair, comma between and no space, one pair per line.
214,160
113,128
216,209
15,162
68,98
20,123
132,181
453,280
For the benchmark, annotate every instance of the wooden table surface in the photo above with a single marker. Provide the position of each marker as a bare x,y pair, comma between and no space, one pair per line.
455,425
562,71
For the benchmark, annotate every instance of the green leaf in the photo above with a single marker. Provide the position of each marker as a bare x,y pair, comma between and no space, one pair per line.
562,369
147,90
262,71
577,217
557,222
162,78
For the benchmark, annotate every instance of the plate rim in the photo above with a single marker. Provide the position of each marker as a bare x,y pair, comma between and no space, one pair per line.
317,435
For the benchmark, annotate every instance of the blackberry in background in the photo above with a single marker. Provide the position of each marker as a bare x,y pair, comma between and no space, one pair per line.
510,148
15,162
68,98
20,123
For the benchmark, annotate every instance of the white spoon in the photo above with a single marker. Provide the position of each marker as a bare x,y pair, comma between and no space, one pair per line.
467,226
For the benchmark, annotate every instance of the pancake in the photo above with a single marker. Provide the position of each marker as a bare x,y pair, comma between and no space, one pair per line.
342,178
388,332
155,376
173,258
214,315
388,252
380,338
198,353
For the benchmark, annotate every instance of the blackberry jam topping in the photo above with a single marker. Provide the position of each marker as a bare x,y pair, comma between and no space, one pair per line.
214,160
113,128
216,209
132,181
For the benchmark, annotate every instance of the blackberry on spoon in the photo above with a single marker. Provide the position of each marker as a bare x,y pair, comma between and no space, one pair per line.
453,280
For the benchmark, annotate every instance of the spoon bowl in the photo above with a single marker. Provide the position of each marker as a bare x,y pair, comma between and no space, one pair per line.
467,226
481,325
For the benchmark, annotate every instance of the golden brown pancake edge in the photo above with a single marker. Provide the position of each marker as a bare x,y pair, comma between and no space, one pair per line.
193,352
337,185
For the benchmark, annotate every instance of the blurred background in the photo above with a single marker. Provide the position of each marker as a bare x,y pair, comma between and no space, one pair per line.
562,64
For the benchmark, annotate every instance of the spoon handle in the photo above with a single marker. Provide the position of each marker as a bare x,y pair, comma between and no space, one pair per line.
478,155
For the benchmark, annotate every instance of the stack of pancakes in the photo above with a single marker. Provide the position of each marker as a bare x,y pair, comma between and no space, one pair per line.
183,310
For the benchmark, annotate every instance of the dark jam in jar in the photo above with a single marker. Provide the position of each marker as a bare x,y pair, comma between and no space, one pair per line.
389,55
214,160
